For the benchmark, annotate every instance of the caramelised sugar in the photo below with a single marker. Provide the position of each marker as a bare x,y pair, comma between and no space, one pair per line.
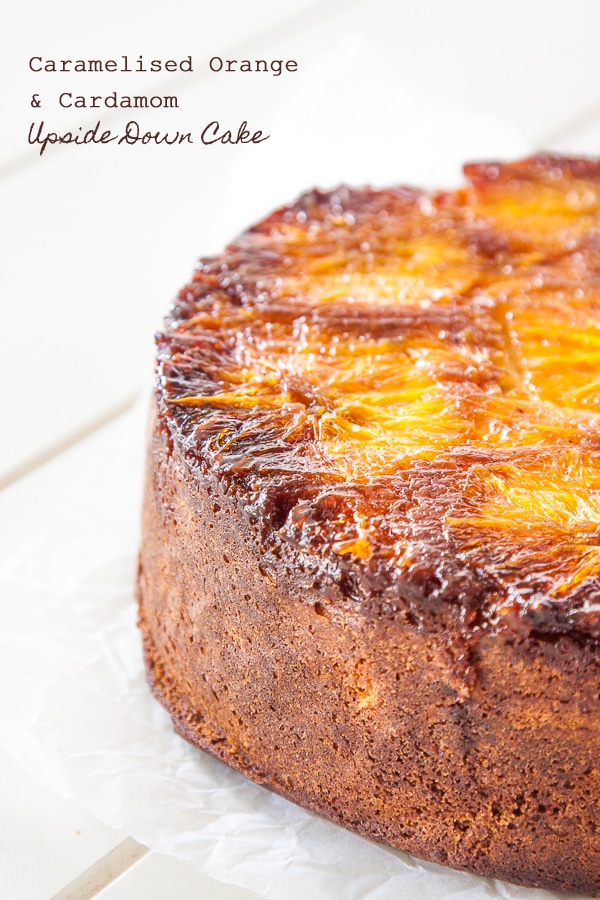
421,370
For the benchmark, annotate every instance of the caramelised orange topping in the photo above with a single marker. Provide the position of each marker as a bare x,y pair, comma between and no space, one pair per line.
409,383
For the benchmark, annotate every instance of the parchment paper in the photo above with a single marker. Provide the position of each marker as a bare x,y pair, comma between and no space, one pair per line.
76,713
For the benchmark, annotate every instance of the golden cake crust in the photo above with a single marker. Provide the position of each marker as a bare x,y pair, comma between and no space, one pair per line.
370,566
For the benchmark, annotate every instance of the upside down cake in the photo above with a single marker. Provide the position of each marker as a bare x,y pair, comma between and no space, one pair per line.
370,568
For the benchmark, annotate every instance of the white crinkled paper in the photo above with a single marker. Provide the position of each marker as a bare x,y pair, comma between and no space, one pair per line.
76,713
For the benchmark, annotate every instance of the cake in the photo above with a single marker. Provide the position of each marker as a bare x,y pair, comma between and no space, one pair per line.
369,575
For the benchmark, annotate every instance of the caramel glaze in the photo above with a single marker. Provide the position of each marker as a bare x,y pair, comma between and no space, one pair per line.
404,388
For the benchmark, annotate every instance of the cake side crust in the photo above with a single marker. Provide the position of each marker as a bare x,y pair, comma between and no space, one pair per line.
357,715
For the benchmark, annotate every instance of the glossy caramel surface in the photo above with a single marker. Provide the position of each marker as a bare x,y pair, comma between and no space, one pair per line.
407,385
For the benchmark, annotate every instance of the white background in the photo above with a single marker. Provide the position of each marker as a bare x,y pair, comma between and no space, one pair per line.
96,240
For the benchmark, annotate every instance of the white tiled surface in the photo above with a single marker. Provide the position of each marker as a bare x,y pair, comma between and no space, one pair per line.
96,242
46,841
159,877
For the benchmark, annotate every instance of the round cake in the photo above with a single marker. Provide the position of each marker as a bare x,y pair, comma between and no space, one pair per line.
370,567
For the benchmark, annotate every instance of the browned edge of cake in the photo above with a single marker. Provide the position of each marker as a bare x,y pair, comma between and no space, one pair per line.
359,716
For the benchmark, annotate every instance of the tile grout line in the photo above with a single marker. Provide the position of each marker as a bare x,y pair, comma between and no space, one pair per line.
56,449
104,871
570,128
